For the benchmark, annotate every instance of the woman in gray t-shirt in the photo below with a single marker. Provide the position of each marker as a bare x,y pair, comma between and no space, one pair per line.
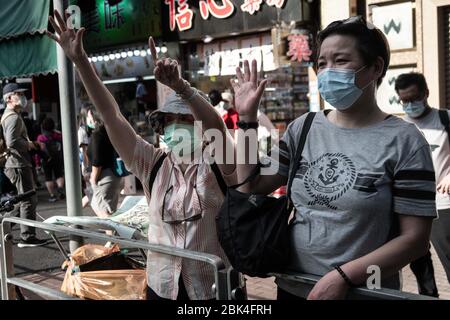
365,188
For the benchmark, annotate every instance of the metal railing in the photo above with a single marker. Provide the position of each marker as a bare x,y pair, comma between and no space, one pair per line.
221,273
307,281
226,285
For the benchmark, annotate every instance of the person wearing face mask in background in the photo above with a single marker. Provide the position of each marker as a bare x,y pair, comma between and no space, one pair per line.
184,191
101,156
84,137
413,91
18,166
364,191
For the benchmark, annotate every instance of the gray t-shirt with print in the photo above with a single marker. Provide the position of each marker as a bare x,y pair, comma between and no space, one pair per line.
350,187
436,135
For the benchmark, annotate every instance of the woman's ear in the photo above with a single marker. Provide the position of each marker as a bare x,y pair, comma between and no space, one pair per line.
379,67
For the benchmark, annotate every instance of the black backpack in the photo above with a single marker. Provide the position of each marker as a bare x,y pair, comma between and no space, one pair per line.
254,229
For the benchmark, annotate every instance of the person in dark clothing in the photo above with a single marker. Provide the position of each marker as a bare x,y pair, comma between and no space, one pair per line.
52,159
105,184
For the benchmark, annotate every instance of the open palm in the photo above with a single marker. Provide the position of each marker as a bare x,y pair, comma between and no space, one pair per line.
247,91
69,40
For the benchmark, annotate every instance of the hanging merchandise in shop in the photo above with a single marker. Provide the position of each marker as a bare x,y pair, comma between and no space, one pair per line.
112,23
222,57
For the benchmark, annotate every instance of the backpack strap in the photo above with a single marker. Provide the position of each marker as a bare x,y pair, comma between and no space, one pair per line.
443,116
154,172
298,154
219,178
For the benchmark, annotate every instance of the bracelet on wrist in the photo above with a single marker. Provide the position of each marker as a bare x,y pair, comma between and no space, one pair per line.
189,95
345,277
186,85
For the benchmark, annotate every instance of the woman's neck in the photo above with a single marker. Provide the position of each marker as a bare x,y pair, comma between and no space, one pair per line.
363,114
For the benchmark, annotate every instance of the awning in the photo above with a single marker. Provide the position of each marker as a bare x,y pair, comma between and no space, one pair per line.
25,50
27,56
18,17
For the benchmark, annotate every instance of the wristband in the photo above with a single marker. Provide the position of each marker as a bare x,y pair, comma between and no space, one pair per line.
344,276
247,125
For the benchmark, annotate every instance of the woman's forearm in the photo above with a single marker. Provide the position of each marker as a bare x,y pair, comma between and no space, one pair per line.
210,120
247,155
392,256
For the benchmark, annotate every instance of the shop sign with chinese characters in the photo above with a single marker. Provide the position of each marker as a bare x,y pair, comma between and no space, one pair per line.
181,15
113,23
299,49
291,45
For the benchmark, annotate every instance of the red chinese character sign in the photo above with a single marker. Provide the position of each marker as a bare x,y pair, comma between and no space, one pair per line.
182,16
219,11
299,49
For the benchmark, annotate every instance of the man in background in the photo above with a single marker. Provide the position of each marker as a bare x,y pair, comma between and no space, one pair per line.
18,167
413,91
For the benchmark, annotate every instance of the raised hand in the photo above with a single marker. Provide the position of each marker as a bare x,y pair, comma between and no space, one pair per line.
69,40
247,92
166,70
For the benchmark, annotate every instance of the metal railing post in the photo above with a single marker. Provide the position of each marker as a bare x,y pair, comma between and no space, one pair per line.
7,262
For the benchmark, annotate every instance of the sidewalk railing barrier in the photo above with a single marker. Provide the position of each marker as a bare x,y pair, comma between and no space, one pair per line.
221,274
227,284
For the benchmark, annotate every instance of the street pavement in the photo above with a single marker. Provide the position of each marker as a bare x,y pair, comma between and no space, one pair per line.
48,259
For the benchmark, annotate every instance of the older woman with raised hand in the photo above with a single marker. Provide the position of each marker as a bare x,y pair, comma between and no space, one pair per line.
184,191
364,191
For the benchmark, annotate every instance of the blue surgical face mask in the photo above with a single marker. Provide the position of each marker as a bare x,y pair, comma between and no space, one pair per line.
182,137
338,87
414,109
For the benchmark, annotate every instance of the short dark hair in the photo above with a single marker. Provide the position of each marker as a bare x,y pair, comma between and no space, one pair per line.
409,79
215,97
371,41
48,124
95,115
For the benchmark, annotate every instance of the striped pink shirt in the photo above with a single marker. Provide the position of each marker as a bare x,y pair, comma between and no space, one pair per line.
181,196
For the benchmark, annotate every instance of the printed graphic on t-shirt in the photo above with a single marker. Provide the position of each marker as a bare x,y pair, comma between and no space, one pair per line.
328,178
331,176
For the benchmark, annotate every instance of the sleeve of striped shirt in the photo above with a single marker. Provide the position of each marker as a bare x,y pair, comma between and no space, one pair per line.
144,158
414,187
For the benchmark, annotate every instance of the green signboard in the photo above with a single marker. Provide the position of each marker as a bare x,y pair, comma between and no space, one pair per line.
111,23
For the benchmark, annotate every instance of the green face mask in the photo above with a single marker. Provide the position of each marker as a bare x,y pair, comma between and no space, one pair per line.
178,136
